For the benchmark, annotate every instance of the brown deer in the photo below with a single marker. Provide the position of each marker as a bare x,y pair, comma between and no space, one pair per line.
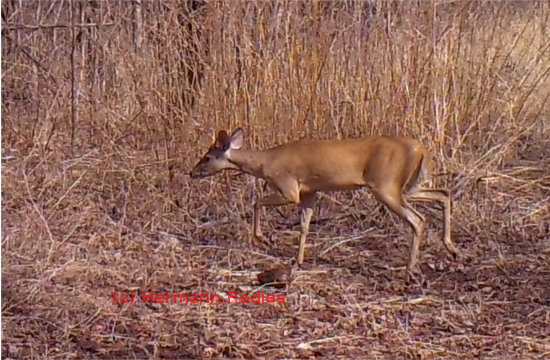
392,167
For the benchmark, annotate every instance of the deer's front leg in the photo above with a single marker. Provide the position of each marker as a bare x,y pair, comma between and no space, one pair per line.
307,202
269,200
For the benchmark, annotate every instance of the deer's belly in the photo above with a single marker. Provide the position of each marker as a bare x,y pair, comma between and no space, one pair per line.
333,184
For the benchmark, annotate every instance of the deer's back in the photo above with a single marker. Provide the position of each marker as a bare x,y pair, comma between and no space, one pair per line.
343,164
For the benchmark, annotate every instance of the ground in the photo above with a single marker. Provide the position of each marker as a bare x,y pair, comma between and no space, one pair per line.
350,299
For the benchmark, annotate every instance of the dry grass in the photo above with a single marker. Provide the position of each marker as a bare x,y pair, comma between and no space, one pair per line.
95,196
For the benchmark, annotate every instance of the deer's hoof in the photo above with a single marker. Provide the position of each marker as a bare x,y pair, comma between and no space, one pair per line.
457,255
414,276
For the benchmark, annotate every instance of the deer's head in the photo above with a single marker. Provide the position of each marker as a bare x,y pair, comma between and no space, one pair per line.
216,158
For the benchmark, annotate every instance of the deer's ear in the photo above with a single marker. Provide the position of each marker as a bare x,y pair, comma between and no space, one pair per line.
223,140
237,139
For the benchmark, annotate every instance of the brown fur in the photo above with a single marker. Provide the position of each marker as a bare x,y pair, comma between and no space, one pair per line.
394,168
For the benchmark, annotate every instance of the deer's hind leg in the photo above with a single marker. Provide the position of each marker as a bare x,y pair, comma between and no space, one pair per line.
392,197
442,197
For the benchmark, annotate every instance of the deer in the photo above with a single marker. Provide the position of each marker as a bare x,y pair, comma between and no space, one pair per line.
394,168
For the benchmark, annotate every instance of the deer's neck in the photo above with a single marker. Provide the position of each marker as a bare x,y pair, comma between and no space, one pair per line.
249,161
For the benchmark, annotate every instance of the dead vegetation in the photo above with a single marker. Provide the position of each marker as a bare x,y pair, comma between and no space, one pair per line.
107,105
